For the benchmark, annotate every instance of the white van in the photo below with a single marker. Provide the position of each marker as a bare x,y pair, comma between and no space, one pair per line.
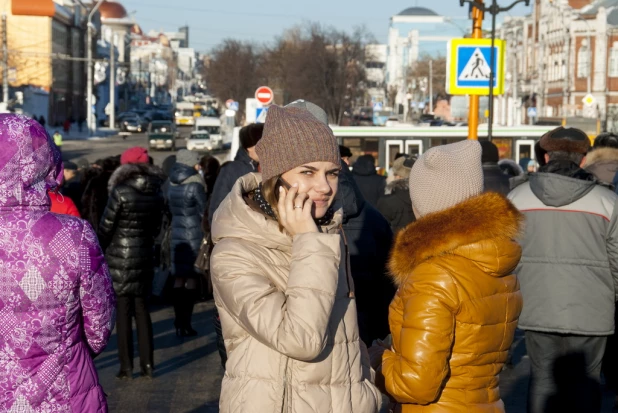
212,126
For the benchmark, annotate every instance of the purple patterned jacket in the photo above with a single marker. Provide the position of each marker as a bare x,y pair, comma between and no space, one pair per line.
56,298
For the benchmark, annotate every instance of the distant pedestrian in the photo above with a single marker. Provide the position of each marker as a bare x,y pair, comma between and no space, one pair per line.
80,123
42,120
95,196
66,125
246,161
346,154
396,207
454,315
129,225
371,184
61,204
187,200
568,273
58,140
494,179
282,286
57,302
209,169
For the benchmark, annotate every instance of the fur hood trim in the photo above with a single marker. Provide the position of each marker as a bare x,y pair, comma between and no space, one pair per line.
133,170
601,155
487,216
398,185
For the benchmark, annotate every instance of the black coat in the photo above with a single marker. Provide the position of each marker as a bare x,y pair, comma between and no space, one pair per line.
129,225
229,174
94,199
495,180
397,206
371,184
186,197
369,239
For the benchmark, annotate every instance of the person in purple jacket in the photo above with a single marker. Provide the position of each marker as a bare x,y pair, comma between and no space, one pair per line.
56,297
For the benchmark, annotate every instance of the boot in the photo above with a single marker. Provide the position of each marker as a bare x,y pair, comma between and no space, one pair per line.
177,301
189,303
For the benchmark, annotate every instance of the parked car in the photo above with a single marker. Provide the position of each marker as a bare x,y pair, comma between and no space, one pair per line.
201,141
162,135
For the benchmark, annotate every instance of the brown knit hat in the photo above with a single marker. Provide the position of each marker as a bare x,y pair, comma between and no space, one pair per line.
293,137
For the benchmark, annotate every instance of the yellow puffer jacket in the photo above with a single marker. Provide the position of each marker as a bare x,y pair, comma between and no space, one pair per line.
289,321
455,312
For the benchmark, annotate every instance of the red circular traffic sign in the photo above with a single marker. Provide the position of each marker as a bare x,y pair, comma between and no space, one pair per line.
264,95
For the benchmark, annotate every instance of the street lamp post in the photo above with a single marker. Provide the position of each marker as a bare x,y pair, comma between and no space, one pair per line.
493,9
89,64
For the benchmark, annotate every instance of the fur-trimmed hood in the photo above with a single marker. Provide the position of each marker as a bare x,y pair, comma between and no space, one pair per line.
398,185
143,177
489,216
602,155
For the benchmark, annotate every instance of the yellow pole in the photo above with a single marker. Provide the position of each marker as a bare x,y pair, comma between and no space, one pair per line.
473,115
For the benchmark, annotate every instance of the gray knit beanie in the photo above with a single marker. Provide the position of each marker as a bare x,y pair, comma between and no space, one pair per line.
187,157
293,137
446,175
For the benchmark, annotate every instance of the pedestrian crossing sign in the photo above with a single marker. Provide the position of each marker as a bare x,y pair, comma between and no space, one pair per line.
468,66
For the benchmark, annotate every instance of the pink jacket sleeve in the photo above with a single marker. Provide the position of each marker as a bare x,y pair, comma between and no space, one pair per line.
97,297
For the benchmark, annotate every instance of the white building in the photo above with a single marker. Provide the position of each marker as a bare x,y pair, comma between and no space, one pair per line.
375,67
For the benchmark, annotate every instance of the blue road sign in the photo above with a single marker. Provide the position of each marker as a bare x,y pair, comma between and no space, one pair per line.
234,106
468,66
377,106
260,115
532,112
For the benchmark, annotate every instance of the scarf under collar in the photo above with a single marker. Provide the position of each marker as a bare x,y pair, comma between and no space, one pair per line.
267,209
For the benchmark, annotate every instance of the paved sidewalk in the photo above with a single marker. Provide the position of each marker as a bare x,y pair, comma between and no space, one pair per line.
188,371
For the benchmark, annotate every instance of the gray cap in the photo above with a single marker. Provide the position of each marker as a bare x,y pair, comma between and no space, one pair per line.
314,109
187,157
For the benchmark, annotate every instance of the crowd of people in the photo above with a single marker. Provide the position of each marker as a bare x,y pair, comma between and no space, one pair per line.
336,289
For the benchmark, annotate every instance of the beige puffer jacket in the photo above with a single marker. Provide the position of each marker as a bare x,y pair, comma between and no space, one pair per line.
289,325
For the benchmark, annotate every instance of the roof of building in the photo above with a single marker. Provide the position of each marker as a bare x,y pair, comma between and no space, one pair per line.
417,11
112,10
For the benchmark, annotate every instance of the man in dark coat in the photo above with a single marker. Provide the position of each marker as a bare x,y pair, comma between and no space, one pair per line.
187,200
369,238
371,184
396,207
129,225
494,179
95,196
246,161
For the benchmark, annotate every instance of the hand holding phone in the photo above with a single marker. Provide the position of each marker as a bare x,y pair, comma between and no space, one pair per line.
295,211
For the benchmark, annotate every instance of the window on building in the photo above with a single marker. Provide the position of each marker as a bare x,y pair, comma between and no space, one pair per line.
613,60
374,65
583,60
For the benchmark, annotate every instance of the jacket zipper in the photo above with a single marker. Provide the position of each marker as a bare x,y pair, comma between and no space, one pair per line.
348,267
284,405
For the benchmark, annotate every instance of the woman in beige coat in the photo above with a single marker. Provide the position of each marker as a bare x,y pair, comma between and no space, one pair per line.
282,284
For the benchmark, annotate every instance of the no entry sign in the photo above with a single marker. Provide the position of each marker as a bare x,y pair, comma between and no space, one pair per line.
264,95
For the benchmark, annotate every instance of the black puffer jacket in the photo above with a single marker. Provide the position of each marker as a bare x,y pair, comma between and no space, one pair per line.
397,206
187,202
229,174
369,239
129,225
495,180
369,182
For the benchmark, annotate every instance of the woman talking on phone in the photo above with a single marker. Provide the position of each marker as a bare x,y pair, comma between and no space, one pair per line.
282,283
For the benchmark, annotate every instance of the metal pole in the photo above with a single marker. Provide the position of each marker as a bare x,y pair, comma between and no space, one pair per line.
567,86
492,69
112,83
590,66
430,86
5,63
90,116
473,115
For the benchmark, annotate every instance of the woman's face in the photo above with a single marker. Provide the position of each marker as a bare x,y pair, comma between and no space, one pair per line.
319,180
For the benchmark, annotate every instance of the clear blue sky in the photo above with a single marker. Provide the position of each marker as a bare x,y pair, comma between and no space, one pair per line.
262,20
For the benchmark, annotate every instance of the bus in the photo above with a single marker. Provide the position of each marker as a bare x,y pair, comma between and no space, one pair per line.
515,142
184,115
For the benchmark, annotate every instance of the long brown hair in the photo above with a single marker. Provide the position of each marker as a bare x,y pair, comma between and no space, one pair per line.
270,192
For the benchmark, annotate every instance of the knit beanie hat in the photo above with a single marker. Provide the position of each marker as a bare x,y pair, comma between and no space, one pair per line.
446,175
187,157
136,154
314,109
490,152
293,137
401,168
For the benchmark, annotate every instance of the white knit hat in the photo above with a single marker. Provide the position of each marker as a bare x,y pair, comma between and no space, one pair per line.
445,176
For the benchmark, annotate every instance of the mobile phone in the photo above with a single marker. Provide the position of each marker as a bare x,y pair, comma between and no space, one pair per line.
281,182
